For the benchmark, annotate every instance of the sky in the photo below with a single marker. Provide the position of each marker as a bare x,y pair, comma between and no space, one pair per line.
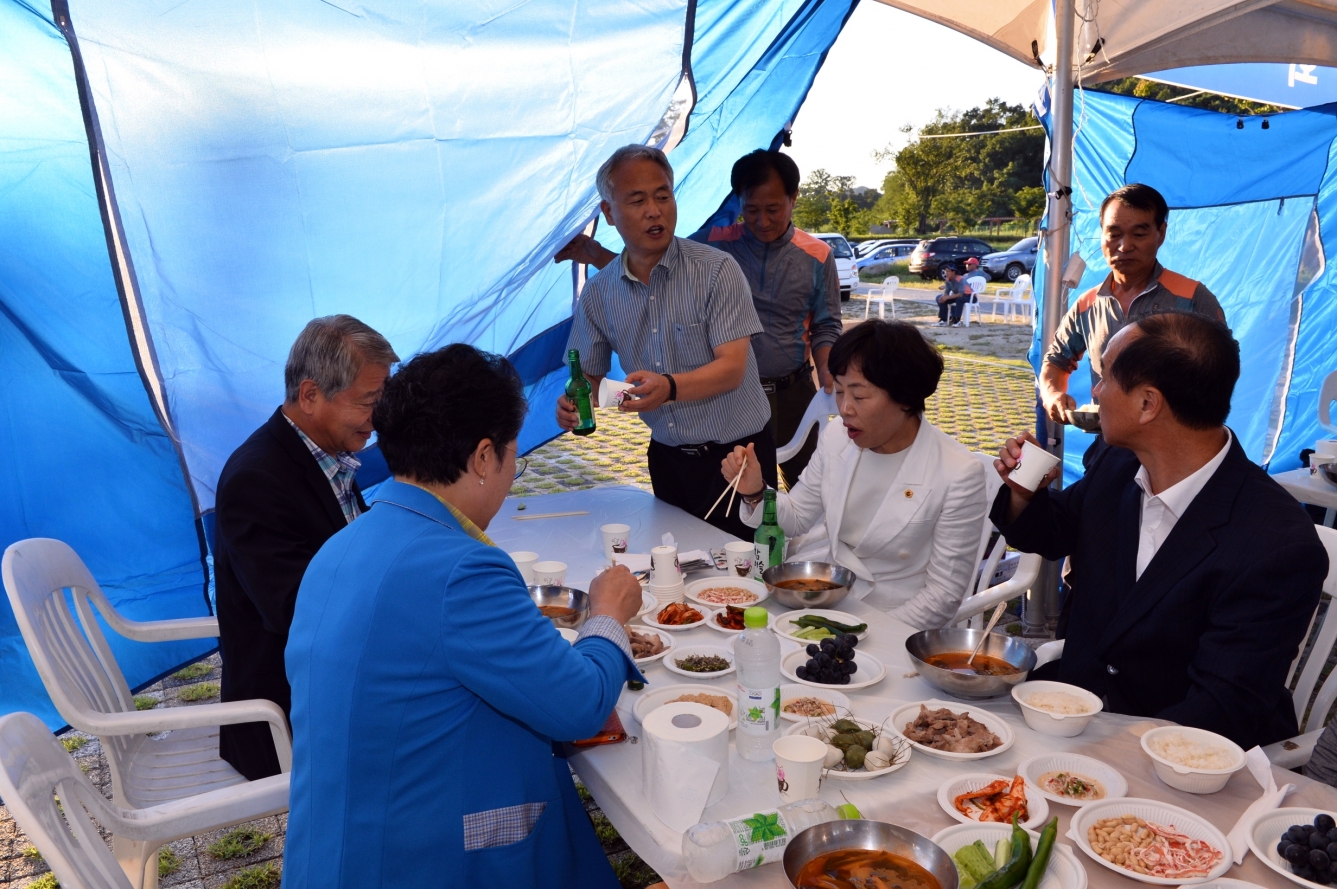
889,68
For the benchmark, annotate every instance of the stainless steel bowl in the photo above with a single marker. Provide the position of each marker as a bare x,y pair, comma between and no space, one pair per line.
1328,472
842,577
565,597
926,643
1087,421
836,835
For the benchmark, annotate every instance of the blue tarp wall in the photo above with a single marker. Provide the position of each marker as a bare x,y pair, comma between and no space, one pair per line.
417,166
1253,215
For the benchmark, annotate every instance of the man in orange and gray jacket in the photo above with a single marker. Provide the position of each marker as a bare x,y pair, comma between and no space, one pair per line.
1132,224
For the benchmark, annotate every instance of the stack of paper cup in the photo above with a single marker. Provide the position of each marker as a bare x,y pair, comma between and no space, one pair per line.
665,575
685,761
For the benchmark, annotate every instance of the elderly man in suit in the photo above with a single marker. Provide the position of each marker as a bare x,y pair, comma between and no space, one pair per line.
281,495
1194,574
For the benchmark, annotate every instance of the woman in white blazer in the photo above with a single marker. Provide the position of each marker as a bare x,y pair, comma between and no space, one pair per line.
887,494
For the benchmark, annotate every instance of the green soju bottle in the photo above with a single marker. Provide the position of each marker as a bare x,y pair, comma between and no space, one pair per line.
578,390
769,541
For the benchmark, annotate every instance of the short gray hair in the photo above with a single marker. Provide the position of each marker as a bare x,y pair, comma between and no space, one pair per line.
603,180
331,352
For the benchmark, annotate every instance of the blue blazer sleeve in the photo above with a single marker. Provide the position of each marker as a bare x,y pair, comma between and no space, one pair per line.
511,656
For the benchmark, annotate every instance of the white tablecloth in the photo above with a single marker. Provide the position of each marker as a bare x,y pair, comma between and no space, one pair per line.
907,797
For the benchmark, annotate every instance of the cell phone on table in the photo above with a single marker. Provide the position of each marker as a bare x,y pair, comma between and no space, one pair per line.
611,733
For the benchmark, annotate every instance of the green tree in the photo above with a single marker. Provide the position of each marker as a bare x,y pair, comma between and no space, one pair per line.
830,203
1029,203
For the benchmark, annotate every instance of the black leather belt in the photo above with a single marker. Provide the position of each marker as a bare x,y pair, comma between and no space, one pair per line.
771,385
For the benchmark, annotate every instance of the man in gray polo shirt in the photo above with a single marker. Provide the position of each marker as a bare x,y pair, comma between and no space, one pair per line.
679,316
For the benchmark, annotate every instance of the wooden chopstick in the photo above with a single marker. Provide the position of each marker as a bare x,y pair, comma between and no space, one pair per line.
729,508
732,486
550,515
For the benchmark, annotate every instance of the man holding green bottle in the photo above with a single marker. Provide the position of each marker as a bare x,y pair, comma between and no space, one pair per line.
679,315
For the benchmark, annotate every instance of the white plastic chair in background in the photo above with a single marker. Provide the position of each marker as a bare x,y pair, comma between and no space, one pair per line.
885,293
1327,393
1004,299
975,286
52,801
90,692
822,406
981,596
1025,300
1296,751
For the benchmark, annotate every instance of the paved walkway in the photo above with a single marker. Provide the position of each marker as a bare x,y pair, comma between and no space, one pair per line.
986,393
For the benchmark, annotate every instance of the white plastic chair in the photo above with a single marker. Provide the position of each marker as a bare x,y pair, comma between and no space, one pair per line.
1327,393
983,597
1296,751
885,293
56,805
822,406
975,285
1025,300
1005,299
89,691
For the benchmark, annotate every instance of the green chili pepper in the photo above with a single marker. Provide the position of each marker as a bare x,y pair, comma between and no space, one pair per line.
1040,860
1015,869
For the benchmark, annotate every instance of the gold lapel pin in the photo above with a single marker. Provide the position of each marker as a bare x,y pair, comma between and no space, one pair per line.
909,493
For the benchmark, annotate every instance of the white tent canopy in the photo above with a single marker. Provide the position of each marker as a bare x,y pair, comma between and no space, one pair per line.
1146,35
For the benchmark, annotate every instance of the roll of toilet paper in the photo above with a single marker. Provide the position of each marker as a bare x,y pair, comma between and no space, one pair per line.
685,758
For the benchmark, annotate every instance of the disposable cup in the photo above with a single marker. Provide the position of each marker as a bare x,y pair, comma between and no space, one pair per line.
798,766
615,539
525,562
549,573
1034,465
739,553
665,571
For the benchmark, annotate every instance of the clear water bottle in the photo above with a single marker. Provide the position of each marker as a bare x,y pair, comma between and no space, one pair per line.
757,654
715,849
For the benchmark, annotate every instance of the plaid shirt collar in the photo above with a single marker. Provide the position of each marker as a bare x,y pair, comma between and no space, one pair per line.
340,469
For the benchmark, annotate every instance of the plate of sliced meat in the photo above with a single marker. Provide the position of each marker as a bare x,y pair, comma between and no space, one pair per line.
980,798
952,730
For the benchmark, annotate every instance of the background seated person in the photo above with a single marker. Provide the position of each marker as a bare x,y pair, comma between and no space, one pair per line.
953,297
427,690
896,500
1194,575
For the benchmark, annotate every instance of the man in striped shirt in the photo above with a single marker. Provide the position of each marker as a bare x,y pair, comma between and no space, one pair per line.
680,318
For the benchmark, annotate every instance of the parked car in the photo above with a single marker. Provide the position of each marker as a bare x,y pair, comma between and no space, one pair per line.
880,260
844,254
863,248
1012,263
930,256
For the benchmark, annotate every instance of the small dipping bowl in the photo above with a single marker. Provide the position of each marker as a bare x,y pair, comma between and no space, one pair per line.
1059,725
1085,420
843,578
834,836
1328,472
969,687
1190,780
565,597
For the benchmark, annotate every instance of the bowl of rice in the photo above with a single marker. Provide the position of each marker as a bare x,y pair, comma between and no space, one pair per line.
1192,759
1056,708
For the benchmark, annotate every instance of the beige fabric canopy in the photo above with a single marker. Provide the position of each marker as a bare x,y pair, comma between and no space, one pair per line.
1147,35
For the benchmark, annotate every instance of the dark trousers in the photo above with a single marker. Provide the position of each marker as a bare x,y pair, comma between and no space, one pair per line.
690,478
956,305
788,404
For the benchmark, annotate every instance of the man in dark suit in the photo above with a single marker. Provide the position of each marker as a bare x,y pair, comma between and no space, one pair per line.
281,495
1194,574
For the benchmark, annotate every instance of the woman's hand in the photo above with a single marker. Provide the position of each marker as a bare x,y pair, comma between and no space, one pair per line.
615,593
751,483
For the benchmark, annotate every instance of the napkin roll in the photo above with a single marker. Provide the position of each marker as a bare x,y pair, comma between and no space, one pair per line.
685,761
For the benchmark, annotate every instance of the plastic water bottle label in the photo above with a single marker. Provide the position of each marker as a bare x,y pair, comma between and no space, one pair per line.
758,709
760,838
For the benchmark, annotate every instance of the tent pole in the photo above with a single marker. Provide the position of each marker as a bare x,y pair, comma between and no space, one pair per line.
1042,606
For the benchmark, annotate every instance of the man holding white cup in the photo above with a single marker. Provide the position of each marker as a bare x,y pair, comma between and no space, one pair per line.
1194,574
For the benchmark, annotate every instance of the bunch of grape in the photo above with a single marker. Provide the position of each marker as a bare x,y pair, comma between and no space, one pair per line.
831,662
1311,849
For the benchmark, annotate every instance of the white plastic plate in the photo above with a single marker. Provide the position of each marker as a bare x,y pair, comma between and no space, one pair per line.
1166,815
1037,808
1064,870
993,723
1114,783
870,670
686,651
658,697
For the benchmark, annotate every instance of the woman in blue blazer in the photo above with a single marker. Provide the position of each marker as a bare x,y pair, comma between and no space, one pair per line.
427,690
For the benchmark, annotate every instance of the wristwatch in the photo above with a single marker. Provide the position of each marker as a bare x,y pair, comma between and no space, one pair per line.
673,388
754,499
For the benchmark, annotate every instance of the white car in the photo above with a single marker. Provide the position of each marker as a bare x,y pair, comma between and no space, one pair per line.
849,276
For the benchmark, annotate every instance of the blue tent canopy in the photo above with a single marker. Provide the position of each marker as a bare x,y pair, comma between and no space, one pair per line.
184,186
1251,217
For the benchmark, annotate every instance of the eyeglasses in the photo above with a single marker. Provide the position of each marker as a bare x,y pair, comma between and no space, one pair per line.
521,464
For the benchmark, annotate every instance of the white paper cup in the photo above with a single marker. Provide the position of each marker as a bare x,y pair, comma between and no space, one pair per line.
665,572
739,555
549,573
1034,466
798,766
525,562
615,539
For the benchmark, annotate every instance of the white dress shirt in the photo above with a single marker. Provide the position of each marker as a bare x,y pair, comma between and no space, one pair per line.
1161,511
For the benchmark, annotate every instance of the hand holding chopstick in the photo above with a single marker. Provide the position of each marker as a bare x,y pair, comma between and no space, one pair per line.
732,486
